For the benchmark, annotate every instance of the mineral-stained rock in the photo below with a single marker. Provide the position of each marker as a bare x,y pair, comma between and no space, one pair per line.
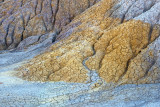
121,47
80,53
107,39
20,19
111,38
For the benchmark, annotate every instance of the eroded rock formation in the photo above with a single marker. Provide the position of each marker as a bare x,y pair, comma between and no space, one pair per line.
20,19
108,39
80,53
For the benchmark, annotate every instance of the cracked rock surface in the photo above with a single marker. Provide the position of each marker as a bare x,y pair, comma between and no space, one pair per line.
80,53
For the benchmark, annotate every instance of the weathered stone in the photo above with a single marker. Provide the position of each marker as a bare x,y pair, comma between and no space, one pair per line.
36,17
27,42
80,55
94,42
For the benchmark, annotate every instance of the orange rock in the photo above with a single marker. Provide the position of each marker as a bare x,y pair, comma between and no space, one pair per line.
111,46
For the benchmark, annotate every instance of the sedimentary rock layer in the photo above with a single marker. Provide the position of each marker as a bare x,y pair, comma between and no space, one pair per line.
108,39
20,19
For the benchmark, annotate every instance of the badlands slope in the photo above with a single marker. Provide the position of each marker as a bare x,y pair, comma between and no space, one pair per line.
80,53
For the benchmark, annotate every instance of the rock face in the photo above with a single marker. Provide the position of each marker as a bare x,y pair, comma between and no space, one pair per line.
20,19
108,39
102,43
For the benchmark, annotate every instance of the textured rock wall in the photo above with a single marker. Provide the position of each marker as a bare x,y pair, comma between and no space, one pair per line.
20,19
107,39
106,56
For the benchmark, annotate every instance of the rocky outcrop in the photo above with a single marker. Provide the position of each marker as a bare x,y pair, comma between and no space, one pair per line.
108,39
20,19
76,54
